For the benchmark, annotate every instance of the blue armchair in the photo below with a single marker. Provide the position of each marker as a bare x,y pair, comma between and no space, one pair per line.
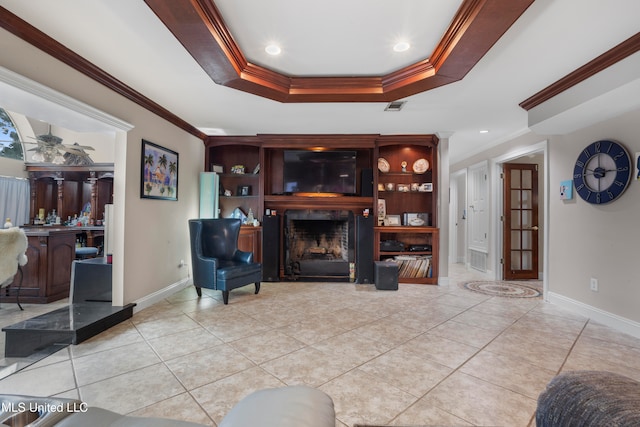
216,260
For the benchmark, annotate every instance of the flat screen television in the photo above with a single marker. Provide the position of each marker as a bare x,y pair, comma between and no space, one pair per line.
320,172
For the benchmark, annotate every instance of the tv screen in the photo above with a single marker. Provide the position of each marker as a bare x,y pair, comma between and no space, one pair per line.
320,172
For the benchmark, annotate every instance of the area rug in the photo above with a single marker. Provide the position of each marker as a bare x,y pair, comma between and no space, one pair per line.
508,289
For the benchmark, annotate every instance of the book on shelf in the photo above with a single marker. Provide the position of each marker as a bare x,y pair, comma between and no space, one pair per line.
416,266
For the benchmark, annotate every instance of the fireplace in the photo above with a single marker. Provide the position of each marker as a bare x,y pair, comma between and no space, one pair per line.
319,244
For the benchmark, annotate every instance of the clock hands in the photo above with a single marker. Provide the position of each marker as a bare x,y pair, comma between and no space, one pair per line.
599,171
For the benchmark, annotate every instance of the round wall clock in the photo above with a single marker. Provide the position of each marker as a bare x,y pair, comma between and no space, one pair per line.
602,172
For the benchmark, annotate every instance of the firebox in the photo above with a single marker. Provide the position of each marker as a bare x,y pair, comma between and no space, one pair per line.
319,244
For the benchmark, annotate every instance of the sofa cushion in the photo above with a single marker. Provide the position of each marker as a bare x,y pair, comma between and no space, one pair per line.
294,406
231,269
589,398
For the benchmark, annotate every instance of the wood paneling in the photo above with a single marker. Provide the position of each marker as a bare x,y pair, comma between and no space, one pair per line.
201,29
47,274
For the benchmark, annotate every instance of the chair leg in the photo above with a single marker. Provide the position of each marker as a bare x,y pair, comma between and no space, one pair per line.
225,297
257,287
19,287
199,291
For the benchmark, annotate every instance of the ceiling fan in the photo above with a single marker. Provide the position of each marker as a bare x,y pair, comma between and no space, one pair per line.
50,149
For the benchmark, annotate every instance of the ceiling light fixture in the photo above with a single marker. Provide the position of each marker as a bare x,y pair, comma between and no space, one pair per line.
401,46
484,131
273,49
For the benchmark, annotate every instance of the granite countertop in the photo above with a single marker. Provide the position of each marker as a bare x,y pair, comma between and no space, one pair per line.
45,230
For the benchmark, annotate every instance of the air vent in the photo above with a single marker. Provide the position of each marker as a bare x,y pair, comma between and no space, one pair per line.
395,106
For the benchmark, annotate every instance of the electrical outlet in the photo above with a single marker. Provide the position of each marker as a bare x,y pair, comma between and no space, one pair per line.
593,284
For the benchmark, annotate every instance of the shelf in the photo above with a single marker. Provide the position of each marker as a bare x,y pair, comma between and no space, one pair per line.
403,192
409,235
404,229
239,175
403,173
239,197
394,253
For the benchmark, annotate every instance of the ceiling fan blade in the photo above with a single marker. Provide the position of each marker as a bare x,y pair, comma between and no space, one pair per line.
84,147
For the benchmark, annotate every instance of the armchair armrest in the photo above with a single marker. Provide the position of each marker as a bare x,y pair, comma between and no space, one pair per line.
204,271
242,256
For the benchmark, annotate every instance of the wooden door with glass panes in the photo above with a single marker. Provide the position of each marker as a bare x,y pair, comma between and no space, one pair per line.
520,221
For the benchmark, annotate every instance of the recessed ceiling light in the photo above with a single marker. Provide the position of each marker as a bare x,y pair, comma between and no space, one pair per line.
273,49
401,46
484,131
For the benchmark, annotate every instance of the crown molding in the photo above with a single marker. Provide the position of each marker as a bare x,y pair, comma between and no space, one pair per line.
602,62
200,28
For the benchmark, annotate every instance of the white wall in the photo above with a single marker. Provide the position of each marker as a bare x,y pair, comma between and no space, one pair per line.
585,240
596,241
151,236
11,167
517,145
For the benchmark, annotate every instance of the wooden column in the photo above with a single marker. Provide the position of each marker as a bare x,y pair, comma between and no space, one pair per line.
94,196
60,204
32,202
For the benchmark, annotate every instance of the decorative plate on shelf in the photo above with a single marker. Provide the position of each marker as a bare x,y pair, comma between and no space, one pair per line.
421,166
383,165
416,222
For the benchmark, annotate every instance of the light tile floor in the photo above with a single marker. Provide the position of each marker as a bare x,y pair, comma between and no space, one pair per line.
424,355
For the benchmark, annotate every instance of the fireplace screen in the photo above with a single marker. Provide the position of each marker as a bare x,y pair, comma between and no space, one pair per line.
318,245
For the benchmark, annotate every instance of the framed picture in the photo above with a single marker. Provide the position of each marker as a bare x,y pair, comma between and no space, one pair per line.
382,210
426,187
244,190
392,220
416,219
158,172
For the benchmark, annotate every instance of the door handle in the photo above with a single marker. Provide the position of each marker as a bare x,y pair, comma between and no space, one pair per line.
534,228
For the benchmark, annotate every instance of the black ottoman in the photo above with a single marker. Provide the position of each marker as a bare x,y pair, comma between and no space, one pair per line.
385,275
589,398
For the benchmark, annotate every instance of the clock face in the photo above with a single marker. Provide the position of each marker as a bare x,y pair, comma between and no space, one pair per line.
602,172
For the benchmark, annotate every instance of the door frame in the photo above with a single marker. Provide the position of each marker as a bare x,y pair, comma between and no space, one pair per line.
457,193
508,226
496,244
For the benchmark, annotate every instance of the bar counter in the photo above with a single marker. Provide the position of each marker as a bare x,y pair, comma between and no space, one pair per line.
47,274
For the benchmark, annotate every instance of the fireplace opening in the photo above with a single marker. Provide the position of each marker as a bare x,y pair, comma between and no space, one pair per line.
319,244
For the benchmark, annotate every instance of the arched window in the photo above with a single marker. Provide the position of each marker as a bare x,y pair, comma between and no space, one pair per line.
10,145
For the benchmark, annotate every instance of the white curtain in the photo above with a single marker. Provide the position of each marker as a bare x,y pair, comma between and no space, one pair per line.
14,200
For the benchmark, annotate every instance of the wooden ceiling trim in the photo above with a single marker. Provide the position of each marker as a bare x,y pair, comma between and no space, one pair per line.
40,40
607,59
477,25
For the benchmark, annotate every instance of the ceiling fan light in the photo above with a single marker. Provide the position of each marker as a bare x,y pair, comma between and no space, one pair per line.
37,157
58,159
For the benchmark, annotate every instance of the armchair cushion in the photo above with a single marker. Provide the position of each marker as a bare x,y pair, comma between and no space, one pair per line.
220,237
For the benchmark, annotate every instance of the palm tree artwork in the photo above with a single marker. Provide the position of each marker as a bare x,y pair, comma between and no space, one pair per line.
148,164
173,170
160,171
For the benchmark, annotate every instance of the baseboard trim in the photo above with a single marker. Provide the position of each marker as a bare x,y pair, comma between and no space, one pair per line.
443,281
611,320
151,299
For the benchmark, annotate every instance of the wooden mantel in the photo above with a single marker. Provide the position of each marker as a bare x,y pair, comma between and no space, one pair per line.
282,203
